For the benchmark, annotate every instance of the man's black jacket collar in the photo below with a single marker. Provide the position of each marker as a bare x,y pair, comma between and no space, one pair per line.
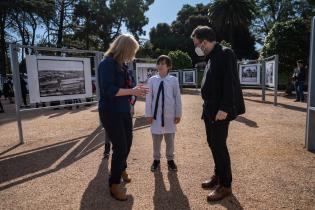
217,48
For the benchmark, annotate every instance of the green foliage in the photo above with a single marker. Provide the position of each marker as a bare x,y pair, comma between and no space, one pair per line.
177,35
98,22
231,20
271,12
290,40
225,44
180,60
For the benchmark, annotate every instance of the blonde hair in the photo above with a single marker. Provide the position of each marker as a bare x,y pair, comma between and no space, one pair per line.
123,48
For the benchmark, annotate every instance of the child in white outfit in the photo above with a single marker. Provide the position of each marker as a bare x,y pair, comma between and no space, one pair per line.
163,111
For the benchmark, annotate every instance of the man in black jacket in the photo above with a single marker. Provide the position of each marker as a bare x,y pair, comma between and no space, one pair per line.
223,101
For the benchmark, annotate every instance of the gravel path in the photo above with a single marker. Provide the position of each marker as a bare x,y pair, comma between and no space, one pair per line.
61,167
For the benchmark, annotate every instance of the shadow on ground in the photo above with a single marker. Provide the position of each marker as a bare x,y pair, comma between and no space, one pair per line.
140,123
286,106
52,112
174,198
230,203
48,159
246,121
96,195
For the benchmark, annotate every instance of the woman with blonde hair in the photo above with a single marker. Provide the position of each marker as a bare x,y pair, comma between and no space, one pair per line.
114,106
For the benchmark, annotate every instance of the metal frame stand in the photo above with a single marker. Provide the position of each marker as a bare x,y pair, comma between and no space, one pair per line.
264,87
14,49
310,118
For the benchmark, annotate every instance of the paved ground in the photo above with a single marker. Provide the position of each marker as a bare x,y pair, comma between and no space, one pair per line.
61,167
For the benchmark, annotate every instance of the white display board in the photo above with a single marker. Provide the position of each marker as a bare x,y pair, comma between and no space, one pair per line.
175,74
249,74
144,71
270,67
189,77
52,78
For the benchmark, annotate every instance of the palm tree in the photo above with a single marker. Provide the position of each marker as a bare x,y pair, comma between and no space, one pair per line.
227,15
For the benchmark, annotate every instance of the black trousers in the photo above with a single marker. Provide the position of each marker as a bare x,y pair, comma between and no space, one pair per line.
1,107
119,129
217,133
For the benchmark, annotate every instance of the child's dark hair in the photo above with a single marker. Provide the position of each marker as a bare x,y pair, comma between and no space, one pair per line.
166,59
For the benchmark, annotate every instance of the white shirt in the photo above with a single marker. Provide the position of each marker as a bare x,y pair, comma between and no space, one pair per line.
172,103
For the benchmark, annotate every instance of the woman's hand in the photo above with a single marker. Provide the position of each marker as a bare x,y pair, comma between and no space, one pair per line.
140,90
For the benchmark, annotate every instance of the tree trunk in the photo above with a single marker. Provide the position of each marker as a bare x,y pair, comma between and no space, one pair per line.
60,25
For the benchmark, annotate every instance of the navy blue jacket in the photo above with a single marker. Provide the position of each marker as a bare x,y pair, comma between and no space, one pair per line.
110,79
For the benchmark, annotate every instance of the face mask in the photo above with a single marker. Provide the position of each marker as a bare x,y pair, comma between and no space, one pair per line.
199,51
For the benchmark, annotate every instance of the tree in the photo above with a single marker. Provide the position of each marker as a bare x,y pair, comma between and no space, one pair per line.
180,60
64,10
231,20
177,35
98,22
161,36
146,50
21,18
273,11
84,23
290,40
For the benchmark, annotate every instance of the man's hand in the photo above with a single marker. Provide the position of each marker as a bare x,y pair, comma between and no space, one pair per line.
149,120
177,120
221,115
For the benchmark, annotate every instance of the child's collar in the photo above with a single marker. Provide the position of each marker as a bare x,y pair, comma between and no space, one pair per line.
166,77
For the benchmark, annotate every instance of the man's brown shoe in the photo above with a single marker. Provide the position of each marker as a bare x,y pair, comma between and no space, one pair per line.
117,193
210,184
219,193
125,177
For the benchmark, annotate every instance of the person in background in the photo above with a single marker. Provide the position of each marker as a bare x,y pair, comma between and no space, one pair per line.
1,106
23,90
8,90
298,78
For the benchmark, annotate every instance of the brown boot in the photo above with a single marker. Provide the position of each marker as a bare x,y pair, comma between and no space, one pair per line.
125,177
210,184
219,193
117,193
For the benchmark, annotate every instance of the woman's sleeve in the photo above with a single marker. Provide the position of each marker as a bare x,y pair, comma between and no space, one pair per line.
148,100
106,75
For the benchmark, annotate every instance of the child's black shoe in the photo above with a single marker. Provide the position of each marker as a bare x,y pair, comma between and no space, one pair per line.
171,165
155,165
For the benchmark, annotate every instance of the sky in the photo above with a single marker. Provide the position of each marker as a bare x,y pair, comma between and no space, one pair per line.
161,11
165,11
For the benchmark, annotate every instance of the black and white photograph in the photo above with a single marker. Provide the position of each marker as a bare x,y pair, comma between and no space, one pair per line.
144,71
270,74
249,74
57,83
175,74
189,77
54,78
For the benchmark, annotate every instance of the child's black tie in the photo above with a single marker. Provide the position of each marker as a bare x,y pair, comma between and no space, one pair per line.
161,89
